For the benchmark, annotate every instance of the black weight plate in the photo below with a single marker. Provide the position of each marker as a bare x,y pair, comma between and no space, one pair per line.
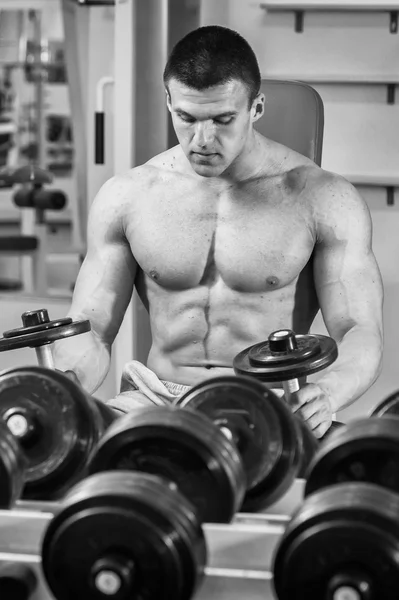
34,328
44,337
15,588
261,354
310,444
365,450
286,465
182,446
12,468
345,535
389,406
150,527
18,581
323,353
308,447
242,406
63,427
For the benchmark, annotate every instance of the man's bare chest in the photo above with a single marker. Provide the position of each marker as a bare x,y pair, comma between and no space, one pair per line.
245,240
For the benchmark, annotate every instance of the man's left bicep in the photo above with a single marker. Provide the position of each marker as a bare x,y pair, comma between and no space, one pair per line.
348,284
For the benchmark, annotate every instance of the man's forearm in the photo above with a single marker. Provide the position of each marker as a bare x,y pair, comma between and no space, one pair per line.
357,367
87,356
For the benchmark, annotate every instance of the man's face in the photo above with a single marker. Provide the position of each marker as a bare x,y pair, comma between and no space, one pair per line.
212,125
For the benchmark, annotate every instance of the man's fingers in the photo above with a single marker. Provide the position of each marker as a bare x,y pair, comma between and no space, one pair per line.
315,421
312,405
320,430
295,401
308,410
317,418
303,396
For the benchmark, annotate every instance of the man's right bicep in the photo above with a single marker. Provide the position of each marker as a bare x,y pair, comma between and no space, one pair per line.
105,281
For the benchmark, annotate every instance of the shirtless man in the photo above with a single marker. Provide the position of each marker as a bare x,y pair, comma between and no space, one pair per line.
227,237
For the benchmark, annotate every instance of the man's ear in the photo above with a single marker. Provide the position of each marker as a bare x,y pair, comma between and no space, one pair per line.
168,100
258,107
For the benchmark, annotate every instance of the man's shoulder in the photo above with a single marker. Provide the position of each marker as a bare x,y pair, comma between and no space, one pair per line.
132,180
124,189
128,189
331,201
332,191
337,207
155,171
318,186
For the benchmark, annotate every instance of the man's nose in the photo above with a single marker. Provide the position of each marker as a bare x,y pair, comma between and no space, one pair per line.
204,134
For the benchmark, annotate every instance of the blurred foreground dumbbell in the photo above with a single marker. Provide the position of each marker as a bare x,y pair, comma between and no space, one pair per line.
57,425
388,407
344,538
341,545
287,357
126,536
274,445
40,333
365,450
182,447
229,444
12,468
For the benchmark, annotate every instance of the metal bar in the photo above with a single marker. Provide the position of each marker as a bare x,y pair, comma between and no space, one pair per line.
393,21
326,7
99,116
39,90
76,31
299,21
390,195
291,387
238,573
96,2
24,4
36,64
45,355
391,93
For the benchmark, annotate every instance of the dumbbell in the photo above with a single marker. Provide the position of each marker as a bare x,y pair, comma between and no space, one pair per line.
12,468
228,444
285,357
274,445
56,424
183,447
342,542
366,449
387,407
40,333
124,535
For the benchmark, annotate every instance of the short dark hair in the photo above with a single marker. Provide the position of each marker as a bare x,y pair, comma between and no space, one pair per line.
213,55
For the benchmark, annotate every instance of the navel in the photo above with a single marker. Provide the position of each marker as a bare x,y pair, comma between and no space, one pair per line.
272,281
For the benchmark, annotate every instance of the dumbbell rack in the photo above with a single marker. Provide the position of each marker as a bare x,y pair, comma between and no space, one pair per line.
240,553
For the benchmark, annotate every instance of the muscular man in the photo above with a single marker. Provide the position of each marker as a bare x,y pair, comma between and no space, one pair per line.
227,237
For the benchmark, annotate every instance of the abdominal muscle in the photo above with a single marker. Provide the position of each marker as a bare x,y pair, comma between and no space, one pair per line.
197,333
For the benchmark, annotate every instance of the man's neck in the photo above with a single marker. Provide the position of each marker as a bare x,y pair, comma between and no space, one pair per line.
250,163
257,159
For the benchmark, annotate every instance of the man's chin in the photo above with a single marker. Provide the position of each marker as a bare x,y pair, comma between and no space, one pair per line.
207,170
